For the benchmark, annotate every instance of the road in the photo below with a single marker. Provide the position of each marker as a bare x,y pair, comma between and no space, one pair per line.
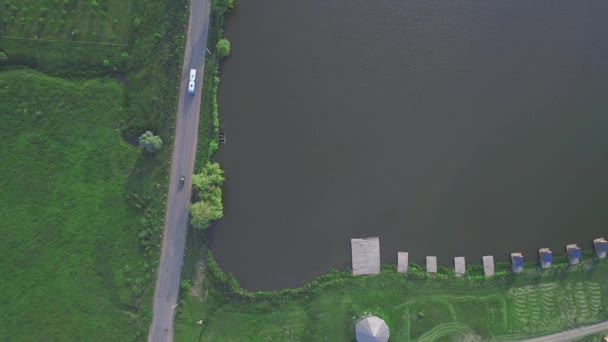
182,164
572,334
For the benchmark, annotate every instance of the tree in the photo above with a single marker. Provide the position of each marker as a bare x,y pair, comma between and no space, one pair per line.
223,48
208,184
204,212
3,58
150,142
221,7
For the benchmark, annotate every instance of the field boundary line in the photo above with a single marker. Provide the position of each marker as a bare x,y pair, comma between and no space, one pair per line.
64,41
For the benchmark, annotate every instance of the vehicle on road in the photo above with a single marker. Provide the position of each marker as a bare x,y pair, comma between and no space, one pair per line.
182,180
192,81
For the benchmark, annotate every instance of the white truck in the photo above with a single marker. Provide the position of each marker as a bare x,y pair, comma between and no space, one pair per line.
192,81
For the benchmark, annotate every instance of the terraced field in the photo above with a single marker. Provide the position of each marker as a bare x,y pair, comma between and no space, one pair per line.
524,311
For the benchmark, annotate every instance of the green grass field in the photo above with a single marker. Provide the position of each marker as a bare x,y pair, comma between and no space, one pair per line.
69,242
75,20
505,308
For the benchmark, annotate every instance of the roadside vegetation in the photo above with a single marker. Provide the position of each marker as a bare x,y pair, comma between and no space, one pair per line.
109,66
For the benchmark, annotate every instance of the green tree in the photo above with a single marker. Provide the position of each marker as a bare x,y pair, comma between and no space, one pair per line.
3,58
150,142
203,213
209,182
223,48
221,7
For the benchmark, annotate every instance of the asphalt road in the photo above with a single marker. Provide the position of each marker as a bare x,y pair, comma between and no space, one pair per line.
572,334
182,164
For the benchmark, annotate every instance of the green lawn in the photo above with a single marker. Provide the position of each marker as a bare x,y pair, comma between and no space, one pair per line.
69,242
507,307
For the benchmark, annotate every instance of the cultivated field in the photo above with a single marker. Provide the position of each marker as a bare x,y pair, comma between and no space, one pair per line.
416,310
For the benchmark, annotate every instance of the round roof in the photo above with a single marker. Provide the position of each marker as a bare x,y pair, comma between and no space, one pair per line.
372,329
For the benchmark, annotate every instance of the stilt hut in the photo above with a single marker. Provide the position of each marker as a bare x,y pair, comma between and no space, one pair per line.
546,257
601,247
517,262
574,254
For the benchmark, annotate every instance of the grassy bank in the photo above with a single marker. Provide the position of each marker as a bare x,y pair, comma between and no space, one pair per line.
69,250
416,307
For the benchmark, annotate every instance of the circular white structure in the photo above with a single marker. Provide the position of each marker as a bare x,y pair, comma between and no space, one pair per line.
372,329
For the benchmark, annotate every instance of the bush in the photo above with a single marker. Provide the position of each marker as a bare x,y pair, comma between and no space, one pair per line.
3,58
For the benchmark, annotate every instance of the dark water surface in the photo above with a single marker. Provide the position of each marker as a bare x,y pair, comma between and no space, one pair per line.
445,128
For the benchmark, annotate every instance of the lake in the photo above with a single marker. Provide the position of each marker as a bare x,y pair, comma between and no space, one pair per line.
446,128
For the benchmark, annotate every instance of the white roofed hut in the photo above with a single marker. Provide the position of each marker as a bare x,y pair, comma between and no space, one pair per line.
372,329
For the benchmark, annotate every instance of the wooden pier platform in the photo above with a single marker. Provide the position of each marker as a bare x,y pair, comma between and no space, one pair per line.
459,266
402,262
488,265
431,264
365,255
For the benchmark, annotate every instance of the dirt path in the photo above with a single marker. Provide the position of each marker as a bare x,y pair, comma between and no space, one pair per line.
182,164
572,334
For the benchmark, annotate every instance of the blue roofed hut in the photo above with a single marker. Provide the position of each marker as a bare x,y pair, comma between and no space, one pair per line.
517,262
574,254
546,257
601,247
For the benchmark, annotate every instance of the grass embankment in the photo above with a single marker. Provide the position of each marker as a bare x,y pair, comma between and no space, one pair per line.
141,43
69,244
416,307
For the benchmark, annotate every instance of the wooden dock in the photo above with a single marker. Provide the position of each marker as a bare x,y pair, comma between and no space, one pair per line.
488,265
365,255
402,262
431,264
459,266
